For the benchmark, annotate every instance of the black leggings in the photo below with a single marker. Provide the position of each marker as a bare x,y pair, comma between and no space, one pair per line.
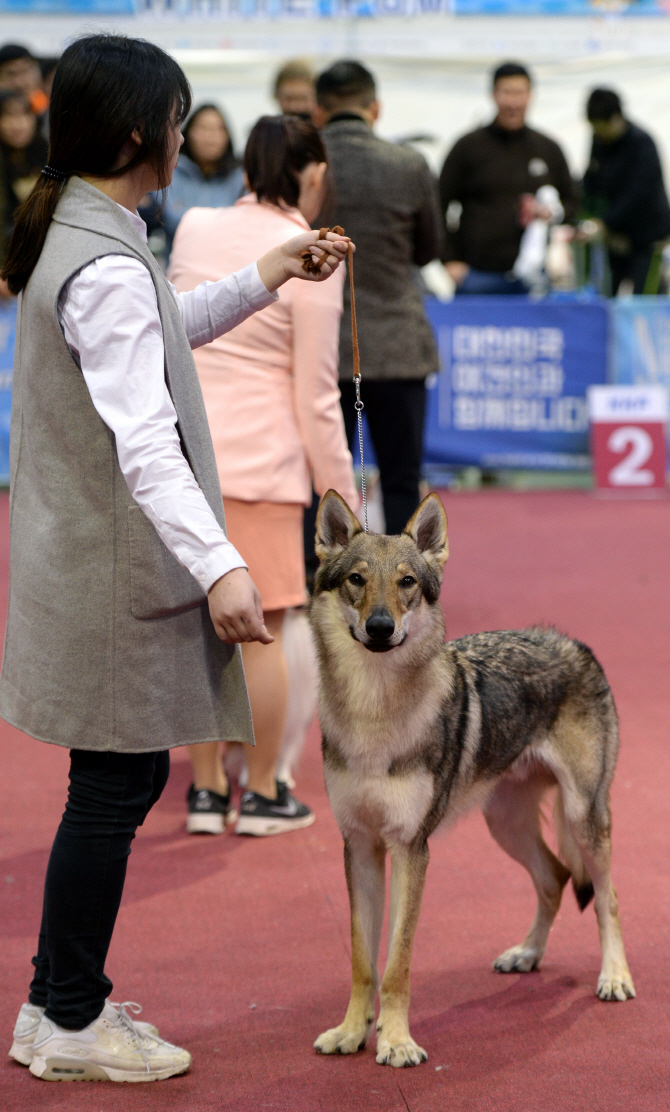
110,795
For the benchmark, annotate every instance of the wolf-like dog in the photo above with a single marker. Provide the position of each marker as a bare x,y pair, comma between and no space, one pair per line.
416,731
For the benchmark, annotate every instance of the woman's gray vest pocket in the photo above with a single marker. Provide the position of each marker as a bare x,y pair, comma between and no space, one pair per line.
159,585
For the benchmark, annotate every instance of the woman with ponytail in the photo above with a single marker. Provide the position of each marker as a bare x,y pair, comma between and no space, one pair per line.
127,602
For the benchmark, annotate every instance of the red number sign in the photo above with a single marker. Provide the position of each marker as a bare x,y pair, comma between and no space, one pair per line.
628,437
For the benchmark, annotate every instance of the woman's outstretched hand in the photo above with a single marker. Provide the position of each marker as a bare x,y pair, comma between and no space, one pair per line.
236,610
286,261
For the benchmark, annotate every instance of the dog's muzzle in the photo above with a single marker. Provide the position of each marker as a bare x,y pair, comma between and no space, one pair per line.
380,628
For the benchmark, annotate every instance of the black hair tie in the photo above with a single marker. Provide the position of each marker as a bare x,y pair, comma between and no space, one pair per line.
56,175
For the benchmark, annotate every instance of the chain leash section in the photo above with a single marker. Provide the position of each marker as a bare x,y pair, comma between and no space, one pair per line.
358,404
359,407
315,265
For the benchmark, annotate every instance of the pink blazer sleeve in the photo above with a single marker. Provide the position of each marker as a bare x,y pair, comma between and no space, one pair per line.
316,314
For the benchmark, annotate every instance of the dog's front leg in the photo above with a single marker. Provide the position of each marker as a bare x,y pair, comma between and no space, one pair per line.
395,1045
364,862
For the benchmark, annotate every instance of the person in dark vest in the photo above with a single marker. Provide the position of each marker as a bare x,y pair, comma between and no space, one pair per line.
624,191
127,603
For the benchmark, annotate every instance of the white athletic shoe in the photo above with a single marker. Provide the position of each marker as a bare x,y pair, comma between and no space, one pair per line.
109,1049
29,1018
142,1027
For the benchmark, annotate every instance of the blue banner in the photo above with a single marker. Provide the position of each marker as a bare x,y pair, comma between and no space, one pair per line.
514,373
511,391
68,7
7,334
559,7
640,353
640,342
332,9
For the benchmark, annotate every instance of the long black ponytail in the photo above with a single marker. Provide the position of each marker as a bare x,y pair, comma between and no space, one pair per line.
105,87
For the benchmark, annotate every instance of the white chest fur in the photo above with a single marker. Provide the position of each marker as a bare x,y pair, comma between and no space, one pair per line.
374,733
390,807
377,712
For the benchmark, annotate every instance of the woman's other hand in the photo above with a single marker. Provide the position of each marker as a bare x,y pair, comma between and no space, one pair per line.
236,610
286,261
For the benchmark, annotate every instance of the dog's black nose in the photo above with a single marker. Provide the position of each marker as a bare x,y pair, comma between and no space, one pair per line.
380,625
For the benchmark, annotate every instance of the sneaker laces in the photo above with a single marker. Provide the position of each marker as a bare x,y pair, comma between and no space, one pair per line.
126,1022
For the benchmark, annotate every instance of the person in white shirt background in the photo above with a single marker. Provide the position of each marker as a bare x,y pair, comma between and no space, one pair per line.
109,316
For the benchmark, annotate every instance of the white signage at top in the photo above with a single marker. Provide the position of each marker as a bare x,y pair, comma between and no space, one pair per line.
617,404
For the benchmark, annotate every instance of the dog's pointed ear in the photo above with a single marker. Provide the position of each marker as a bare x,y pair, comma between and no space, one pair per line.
335,525
428,529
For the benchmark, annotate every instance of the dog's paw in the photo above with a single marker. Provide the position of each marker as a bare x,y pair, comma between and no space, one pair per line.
519,959
615,985
341,1040
400,1052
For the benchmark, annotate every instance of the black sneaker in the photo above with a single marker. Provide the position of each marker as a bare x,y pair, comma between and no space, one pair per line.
262,816
206,811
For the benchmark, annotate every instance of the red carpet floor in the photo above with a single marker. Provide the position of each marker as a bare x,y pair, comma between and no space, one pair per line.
239,948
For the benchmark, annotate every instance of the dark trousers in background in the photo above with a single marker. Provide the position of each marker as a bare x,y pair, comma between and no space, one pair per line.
309,538
634,266
478,282
110,795
395,411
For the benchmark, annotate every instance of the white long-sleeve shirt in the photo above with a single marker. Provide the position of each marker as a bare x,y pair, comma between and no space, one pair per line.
109,315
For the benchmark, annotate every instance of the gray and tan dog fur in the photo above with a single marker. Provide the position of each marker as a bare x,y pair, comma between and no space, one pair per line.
416,732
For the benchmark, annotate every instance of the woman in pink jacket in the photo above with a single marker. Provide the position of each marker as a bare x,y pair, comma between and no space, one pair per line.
272,399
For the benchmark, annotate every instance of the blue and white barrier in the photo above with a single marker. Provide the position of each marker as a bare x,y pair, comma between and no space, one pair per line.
514,375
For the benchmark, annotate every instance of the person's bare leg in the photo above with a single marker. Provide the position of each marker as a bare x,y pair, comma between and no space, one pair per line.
267,682
207,763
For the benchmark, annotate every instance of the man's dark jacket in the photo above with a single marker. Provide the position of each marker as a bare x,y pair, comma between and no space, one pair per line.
624,187
486,172
386,200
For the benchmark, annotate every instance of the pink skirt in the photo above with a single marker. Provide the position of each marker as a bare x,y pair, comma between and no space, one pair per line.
269,538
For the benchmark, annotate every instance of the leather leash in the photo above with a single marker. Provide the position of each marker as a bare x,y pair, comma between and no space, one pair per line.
314,266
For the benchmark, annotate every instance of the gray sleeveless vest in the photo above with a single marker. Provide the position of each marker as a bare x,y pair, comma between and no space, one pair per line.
109,642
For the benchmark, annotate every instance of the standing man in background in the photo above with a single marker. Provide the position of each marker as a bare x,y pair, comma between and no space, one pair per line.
385,195
624,191
493,173
293,89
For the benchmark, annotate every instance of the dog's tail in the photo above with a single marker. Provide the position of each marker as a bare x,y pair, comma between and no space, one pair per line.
569,853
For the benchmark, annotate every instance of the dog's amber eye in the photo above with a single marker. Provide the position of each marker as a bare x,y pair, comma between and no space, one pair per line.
356,579
407,581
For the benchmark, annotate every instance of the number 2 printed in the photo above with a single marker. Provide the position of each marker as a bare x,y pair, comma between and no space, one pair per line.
630,471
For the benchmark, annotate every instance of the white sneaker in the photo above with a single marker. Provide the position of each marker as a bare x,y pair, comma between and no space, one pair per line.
29,1018
109,1049
142,1027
